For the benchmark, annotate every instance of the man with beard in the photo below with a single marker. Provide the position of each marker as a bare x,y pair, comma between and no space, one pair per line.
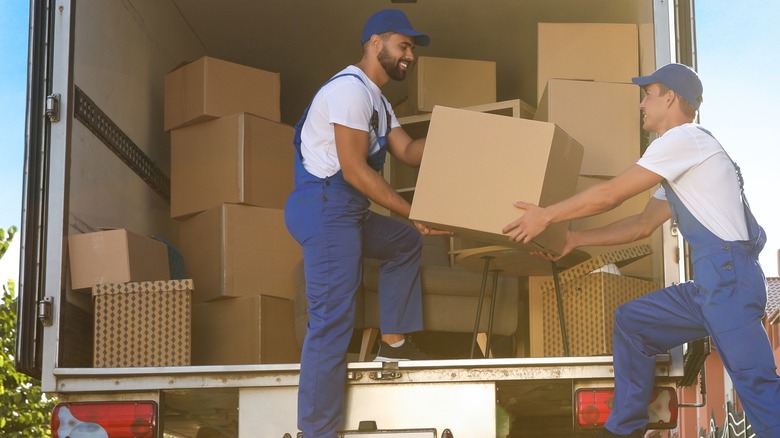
341,143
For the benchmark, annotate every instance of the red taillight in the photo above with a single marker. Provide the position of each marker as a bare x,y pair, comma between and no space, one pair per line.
593,406
103,420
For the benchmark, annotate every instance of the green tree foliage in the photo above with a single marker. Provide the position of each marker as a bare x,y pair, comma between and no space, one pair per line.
24,410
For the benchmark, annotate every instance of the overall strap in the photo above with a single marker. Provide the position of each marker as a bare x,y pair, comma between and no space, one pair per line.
750,221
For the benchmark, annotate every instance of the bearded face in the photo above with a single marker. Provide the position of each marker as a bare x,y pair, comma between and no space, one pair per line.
395,67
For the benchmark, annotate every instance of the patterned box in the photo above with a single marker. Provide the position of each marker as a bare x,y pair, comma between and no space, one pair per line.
589,303
144,324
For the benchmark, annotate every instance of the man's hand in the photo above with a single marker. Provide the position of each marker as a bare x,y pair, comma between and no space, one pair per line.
568,247
529,225
427,231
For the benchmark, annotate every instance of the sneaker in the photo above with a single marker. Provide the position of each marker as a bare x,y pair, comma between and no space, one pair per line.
407,351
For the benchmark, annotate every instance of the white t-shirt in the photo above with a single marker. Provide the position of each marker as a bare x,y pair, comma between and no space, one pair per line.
703,177
345,101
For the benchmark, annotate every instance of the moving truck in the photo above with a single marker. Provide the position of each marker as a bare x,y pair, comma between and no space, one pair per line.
101,156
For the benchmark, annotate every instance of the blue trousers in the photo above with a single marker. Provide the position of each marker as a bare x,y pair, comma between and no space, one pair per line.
336,230
729,307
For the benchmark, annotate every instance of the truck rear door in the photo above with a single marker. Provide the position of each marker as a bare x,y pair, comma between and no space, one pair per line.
44,205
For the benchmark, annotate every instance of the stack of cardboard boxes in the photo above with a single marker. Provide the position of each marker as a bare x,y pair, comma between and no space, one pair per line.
584,86
141,316
231,173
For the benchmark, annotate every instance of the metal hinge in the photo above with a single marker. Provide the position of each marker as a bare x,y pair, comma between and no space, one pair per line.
45,310
53,107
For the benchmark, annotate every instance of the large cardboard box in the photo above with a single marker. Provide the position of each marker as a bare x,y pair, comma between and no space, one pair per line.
603,117
239,158
476,165
208,88
115,256
239,250
589,303
145,324
450,82
605,52
246,330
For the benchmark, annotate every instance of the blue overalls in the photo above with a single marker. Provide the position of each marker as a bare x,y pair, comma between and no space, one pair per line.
726,300
332,222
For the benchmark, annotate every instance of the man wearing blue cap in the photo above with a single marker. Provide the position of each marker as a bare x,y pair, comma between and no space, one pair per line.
701,191
341,143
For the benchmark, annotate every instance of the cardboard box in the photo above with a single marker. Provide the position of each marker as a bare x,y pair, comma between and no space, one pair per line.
589,303
643,267
239,158
604,52
450,82
603,117
115,256
476,165
144,324
209,88
239,250
244,331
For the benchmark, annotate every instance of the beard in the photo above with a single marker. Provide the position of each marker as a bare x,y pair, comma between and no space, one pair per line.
392,66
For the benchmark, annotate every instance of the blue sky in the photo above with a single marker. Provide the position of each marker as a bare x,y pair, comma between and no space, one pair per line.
738,63
13,90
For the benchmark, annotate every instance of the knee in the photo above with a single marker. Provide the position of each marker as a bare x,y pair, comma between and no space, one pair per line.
413,242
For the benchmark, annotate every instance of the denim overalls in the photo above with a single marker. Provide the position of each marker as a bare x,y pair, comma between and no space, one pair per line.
726,300
332,222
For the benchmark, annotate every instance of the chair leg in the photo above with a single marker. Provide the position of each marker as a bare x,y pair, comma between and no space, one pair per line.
479,305
367,342
482,339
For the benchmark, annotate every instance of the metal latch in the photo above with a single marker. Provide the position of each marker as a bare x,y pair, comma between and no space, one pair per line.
53,107
389,371
45,307
384,375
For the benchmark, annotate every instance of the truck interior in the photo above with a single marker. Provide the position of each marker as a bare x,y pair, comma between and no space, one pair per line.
120,62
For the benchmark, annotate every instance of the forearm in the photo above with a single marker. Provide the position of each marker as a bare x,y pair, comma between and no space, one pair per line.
584,204
616,233
626,230
375,187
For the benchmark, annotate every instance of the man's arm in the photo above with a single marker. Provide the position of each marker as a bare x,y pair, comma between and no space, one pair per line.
352,149
626,230
407,150
597,199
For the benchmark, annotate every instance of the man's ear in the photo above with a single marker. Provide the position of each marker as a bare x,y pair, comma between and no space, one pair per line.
670,97
376,42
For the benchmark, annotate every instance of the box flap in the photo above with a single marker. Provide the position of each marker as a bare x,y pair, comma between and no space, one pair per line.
619,258
143,286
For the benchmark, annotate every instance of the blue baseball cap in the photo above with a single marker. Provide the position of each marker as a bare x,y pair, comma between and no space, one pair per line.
392,20
679,78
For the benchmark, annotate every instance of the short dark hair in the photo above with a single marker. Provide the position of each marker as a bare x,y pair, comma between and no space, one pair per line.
687,108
